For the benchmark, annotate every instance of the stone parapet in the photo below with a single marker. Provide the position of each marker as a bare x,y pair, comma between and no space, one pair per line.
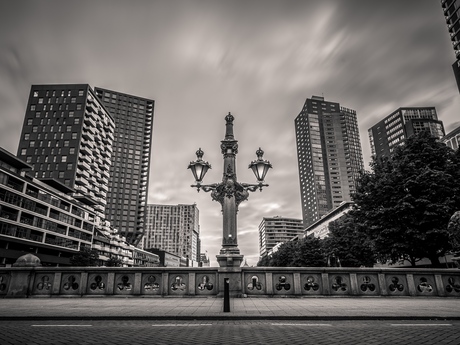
244,281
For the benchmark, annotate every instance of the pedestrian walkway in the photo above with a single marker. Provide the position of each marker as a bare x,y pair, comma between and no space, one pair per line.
327,308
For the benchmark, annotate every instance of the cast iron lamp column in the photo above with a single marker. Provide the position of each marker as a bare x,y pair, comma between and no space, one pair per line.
229,193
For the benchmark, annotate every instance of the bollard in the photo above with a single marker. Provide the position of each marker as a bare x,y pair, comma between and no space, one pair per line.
226,295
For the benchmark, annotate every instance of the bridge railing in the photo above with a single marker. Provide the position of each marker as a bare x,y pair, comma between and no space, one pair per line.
209,281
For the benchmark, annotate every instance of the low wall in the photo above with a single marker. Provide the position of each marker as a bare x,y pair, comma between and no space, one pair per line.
250,281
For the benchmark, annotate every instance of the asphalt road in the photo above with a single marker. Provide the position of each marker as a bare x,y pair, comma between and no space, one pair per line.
404,332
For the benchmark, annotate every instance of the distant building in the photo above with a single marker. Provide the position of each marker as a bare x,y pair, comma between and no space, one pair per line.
204,260
451,12
400,125
320,228
329,156
452,139
128,184
173,228
274,230
167,259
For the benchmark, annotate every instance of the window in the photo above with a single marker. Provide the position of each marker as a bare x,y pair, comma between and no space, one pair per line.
79,106
61,174
69,166
30,122
73,100
35,129
29,159
74,135
72,150
26,136
77,121
80,92
23,152
64,159
69,128
32,143
32,107
35,93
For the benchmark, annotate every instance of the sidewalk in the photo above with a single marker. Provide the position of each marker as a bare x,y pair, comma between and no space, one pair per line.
240,308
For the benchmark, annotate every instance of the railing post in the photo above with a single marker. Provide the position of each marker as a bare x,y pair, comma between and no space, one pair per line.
226,295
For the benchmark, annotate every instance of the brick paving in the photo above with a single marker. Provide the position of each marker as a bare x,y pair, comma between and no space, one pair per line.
229,332
240,308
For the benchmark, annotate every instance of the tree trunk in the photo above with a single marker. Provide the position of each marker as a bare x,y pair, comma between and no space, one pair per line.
435,263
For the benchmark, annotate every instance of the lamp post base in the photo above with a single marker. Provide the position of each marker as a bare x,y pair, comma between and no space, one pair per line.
229,260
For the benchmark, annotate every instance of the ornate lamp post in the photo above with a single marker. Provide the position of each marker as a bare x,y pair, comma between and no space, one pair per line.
229,193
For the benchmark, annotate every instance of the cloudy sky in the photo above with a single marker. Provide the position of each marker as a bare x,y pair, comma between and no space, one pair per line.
257,59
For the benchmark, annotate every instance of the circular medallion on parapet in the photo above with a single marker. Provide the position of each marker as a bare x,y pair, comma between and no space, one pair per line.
27,260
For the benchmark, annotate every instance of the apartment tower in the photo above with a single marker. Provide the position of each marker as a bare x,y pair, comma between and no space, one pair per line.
401,124
274,230
451,12
67,137
128,184
173,228
329,156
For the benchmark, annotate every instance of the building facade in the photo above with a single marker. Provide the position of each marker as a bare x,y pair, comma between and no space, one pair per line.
329,156
67,136
128,183
320,228
41,216
452,15
452,139
274,230
173,228
401,124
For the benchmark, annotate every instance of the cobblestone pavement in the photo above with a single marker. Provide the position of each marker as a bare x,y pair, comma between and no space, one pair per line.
229,332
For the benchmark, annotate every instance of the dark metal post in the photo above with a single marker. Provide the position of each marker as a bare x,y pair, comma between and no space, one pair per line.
226,295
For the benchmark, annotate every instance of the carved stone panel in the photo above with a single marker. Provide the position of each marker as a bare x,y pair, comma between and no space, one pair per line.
311,284
254,284
339,284
425,285
368,284
151,284
124,284
396,285
283,284
205,284
178,284
70,283
451,285
4,282
97,284
43,284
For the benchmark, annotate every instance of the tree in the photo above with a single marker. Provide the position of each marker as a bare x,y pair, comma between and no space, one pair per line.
406,201
348,241
306,252
114,262
85,257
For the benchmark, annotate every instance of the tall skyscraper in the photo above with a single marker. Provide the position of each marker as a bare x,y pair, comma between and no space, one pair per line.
128,184
174,228
274,230
452,15
329,156
401,124
67,137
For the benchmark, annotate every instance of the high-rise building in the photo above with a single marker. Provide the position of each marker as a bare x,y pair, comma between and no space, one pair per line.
451,12
67,137
274,230
173,228
329,156
401,124
128,184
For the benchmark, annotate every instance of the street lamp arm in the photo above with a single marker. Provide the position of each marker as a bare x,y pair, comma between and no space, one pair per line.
206,187
253,187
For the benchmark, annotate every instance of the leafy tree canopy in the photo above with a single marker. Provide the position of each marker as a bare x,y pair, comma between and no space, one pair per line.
406,201
348,242
114,262
85,257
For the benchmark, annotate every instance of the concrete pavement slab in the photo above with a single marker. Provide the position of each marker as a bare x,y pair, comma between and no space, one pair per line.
240,308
